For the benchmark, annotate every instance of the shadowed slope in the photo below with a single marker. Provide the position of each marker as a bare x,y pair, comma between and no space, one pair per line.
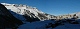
7,20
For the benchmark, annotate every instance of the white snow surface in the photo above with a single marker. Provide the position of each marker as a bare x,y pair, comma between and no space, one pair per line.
35,25
69,26
20,9
38,24
78,14
20,17
42,25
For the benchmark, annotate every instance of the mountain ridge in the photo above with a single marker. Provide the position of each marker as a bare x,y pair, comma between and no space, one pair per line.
23,9
33,12
18,17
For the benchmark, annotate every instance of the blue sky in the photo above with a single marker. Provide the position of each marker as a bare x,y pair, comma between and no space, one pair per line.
54,7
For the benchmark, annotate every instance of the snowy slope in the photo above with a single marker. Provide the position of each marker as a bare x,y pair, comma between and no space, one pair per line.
7,20
21,8
35,25
20,17
24,9
78,14
47,25
13,10
69,26
20,11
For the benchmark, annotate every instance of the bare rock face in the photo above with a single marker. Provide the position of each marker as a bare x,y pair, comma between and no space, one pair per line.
7,20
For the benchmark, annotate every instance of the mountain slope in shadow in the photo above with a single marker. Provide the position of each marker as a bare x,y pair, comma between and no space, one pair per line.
7,20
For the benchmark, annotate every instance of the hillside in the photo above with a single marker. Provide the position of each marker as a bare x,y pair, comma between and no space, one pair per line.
18,16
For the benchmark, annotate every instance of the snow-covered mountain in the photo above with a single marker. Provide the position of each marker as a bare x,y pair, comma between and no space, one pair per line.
32,13
14,16
27,11
77,14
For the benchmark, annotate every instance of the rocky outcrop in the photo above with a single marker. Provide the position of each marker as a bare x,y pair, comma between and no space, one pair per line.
68,16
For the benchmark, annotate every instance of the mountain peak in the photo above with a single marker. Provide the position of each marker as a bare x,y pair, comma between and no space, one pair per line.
32,12
27,11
